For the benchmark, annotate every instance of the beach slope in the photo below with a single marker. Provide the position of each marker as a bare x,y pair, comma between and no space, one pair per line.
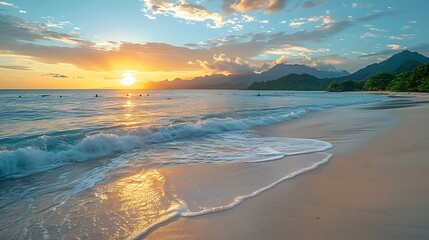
374,187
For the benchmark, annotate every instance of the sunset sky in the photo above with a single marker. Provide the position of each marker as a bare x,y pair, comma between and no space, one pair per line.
98,44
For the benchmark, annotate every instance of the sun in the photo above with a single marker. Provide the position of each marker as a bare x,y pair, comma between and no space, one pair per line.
128,79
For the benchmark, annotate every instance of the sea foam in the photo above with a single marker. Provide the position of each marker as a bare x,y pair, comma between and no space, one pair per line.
183,209
239,199
26,161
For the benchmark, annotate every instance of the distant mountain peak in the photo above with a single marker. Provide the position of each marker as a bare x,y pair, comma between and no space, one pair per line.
283,69
407,54
391,65
405,51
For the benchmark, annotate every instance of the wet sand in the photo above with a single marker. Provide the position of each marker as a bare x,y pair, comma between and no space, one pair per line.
374,187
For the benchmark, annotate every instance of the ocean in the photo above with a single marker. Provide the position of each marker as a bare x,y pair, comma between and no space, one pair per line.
120,164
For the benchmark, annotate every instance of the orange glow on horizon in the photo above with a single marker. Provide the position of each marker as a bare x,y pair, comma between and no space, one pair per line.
76,78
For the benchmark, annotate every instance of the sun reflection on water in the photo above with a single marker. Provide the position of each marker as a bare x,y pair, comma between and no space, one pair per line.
128,118
128,104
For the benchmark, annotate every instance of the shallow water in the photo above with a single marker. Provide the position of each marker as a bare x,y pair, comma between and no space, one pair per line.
117,165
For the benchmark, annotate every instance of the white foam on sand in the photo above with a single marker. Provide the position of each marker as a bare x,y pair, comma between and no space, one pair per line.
199,196
183,209
242,198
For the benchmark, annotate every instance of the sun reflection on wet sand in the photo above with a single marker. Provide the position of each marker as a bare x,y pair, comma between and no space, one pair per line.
135,204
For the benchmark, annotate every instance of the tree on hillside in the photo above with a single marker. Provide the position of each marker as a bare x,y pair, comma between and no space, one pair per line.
398,86
348,85
345,86
424,85
334,87
407,66
378,81
415,80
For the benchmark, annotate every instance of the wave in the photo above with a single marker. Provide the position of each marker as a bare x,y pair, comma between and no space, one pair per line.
27,161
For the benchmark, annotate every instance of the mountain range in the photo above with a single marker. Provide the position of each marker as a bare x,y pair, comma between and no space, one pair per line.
240,81
400,62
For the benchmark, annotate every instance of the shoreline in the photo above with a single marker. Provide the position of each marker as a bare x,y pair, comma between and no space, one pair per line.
356,195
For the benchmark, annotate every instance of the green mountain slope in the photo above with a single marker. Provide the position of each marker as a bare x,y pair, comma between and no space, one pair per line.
400,62
298,82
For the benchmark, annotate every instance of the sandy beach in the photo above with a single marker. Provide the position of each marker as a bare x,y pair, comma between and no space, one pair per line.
232,119
374,186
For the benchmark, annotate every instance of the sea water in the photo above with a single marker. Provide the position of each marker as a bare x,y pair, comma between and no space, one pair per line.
118,165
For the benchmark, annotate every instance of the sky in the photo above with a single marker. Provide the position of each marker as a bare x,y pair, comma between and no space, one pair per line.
83,44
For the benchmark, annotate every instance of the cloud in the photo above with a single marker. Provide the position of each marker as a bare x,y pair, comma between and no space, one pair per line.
128,56
376,15
378,56
21,38
52,23
269,6
252,45
248,18
322,66
395,38
294,55
237,27
295,50
378,30
313,3
8,4
323,63
301,21
359,53
421,48
223,64
16,67
22,11
15,30
183,10
369,35
211,43
296,23
394,46
55,75
409,36
281,59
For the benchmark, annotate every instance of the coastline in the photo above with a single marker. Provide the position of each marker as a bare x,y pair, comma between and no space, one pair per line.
372,188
